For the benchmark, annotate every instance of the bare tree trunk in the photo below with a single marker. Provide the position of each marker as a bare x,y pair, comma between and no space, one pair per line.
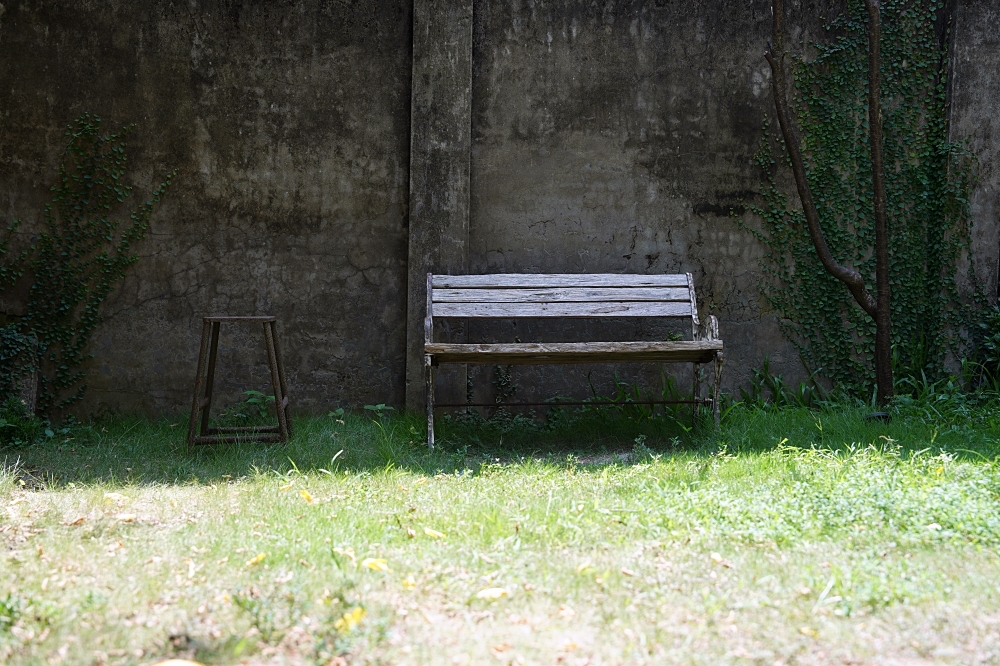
883,322
877,309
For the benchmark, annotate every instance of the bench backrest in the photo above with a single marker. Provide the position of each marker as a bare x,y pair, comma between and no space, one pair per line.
597,295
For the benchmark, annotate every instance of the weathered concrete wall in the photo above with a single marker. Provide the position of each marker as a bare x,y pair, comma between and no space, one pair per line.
619,137
546,136
440,141
288,123
975,115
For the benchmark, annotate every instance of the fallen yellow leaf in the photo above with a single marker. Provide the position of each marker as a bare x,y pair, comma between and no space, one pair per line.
345,552
286,487
492,593
807,631
375,564
350,620
627,572
409,583
305,495
256,560
434,534
716,557
583,566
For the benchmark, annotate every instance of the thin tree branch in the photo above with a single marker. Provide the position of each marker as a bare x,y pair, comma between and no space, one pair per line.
775,56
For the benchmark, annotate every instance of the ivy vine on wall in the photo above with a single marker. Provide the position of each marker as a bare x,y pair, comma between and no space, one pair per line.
73,264
928,180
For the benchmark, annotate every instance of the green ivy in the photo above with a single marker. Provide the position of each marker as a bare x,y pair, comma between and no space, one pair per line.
79,256
928,180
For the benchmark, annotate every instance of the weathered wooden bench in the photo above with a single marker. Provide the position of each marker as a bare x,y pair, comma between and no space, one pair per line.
516,296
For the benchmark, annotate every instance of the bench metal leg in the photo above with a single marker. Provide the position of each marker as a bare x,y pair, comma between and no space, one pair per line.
716,392
429,379
696,394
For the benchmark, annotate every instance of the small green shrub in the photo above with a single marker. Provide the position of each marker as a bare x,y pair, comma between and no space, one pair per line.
986,339
18,427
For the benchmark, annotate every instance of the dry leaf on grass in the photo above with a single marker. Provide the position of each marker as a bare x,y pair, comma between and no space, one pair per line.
434,534
350,620
492,593
375,564
305,495
719,559
256,560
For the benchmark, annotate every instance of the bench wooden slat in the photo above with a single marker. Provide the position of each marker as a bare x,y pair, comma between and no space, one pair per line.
563,295
567,310
546,281
574,352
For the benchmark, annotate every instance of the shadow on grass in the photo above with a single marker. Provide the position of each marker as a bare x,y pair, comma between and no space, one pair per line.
142,451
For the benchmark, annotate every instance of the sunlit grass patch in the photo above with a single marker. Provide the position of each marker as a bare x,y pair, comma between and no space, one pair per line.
791,535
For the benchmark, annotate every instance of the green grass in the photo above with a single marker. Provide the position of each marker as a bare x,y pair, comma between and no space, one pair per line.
786,536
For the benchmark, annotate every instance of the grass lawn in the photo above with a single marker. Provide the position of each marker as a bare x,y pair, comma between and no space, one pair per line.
786,536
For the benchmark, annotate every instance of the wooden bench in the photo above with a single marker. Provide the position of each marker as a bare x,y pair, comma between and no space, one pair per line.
516,296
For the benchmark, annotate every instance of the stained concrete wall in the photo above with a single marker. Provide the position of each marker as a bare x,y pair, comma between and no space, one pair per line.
316,183
619,138
288,123
975,116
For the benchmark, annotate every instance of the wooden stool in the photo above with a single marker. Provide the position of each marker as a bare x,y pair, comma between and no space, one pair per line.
203,403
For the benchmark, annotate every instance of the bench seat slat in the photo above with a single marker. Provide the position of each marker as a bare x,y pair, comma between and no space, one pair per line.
567,310
574,352
546,281
563,294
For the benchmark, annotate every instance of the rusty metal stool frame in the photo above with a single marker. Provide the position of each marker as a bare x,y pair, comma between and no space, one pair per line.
202,403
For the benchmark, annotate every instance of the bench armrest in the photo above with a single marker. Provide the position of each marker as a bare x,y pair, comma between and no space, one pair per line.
709,330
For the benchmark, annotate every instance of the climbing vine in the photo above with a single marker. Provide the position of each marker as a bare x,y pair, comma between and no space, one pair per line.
76,260
927,180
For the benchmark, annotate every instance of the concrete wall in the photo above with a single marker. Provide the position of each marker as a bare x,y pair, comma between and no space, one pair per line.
316,183
619,137
288,122
975,116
